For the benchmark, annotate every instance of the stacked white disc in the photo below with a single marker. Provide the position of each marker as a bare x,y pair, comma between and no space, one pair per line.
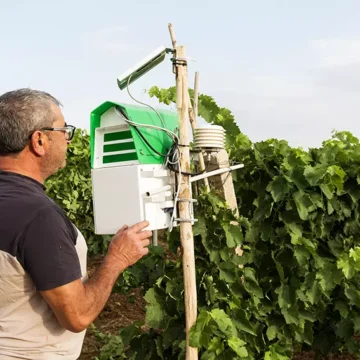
209,136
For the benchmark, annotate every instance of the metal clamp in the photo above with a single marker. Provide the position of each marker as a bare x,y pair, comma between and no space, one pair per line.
179,61
187,200
186,220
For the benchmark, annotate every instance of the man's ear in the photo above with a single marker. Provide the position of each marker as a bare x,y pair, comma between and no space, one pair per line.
37,143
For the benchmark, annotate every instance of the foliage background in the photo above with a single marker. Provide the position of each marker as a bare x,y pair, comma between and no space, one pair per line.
298,286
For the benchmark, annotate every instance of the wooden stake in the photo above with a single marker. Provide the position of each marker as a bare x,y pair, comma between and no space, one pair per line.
172,35
193,121
224,182
186,232
196,96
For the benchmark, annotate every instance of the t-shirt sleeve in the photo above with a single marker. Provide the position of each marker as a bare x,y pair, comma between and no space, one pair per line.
48,252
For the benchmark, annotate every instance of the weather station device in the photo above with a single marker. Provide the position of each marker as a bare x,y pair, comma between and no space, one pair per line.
135,159
131,147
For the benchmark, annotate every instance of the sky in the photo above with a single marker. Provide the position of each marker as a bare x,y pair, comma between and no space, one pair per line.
286,69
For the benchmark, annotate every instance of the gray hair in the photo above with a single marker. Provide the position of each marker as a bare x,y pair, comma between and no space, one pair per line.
22,112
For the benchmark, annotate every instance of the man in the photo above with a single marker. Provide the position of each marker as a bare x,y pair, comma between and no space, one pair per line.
46,300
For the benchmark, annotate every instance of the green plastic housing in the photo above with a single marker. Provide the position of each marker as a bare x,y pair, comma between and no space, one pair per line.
127,145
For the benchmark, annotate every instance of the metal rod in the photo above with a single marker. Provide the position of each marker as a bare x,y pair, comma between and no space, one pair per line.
158,190
215,172
155,237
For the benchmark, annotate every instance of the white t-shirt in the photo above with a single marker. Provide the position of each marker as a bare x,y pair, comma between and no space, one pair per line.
28,326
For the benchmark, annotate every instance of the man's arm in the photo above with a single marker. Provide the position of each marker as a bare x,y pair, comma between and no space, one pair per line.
76,305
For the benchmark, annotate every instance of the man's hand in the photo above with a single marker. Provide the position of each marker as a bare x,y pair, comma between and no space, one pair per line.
130,244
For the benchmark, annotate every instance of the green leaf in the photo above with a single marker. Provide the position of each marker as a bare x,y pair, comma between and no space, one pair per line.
330,208
304,204
297,177
264,206
278,188
284,296
113,347
224,322
328,277
274,354
355,256
210,288
233,234
238,346
345,328
154,310
346,266
279,267
335,247
302,256
154,316
291,315
337,175
308,315
308,333
328,190
249,274
216,345
357,324
197,338
314,174
353,295
228,272
314,293
242,323
271,332
209,355
217,202
251,284
254,290
342,307
159,348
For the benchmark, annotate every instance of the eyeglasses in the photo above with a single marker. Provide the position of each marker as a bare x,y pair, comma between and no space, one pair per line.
69,131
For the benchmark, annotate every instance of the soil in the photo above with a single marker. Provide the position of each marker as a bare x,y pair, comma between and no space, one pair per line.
122,310
311,356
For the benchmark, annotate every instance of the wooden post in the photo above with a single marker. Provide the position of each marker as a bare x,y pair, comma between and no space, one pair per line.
193,120
196,96
186,233
224,182
172,35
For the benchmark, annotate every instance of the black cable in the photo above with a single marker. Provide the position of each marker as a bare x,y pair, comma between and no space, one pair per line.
168,155
184,172
187,173
147,142
118,109
172,168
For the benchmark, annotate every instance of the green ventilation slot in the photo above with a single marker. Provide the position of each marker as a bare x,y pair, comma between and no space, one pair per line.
108,159
120,135
119,147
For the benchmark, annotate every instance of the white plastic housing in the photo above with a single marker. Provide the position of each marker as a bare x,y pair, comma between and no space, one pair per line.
125,195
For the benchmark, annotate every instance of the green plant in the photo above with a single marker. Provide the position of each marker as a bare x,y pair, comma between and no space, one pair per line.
299,284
